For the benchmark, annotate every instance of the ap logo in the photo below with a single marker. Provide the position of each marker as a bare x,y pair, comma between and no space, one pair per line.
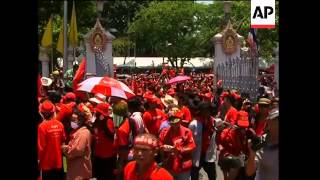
263,13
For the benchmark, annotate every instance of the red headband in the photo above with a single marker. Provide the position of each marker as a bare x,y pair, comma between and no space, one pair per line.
147,141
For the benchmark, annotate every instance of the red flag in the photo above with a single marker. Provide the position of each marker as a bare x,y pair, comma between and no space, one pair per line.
78,77
39,86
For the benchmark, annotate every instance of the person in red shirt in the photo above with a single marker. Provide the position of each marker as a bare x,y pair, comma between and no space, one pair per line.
262,112
177,145
51,136
207,152
144,167
153,117
182,102
104,152
122,134
231,115
232,142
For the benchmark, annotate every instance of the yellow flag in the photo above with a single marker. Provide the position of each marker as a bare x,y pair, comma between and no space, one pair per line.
60,40
73,34
47,35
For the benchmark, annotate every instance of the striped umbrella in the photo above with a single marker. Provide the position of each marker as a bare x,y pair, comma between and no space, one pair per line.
107,86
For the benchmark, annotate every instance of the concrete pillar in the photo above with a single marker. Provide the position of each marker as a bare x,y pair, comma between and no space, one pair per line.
44,58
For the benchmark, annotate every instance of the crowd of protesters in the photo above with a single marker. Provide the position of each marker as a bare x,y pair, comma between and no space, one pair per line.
164,132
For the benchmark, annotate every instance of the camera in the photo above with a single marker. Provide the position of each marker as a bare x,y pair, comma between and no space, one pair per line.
257,142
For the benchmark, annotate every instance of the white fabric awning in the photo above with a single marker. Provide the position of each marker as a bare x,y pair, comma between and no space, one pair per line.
157,61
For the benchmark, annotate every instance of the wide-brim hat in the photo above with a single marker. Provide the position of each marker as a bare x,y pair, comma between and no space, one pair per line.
274,113
167,100
46,81
264,101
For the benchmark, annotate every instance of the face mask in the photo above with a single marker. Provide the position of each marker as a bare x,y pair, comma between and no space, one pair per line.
74,125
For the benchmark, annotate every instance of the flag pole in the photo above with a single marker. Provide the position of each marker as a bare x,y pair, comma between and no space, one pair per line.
65,30
52,59
51,46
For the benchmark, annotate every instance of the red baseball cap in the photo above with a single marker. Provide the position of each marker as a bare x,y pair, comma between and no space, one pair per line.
171,92
243,119
103,108
47,106
69,96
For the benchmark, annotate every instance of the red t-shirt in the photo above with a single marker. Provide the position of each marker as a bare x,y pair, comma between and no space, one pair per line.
260,127
231,116
153,120
231,145
103,145
186,116
183,141
51,135
122,134
153,173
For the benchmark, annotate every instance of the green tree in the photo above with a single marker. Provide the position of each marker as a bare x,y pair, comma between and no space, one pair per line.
188,28
171,28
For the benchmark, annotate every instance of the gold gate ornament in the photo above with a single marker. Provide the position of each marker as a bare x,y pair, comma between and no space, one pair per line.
229,39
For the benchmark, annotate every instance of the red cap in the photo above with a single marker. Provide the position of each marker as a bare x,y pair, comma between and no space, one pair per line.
224,94
139,92
208,95
171,92
103,108
179,114
236,96
243,119
69,96
47,106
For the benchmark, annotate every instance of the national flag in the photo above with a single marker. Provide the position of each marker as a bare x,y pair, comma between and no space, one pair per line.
80,73
39,86
73,34
252,40
78,77
60,40
47,35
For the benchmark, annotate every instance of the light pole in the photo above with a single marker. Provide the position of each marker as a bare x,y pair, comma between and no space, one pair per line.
65,30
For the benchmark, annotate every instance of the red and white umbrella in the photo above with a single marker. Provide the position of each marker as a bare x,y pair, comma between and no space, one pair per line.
178,79
107,86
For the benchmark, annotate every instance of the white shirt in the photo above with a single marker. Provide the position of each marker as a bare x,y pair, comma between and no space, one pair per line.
196,128
137,117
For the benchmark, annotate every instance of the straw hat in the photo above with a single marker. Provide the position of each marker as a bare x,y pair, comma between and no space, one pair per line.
167,100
